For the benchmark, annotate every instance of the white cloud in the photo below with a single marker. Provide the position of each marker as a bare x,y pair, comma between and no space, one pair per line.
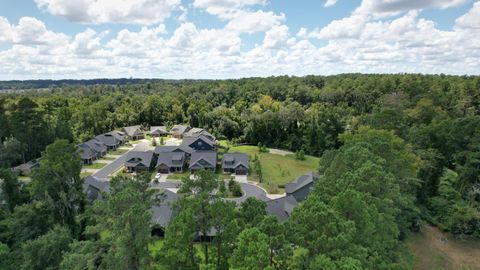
329,3
5,30
395,6
31,31
108,11
349,27
471,19
220,7
251,22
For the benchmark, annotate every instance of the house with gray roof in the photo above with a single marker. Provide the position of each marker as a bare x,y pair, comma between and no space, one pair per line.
168,162
109,140
139,161
26,168
200,143
175,148
119,136
178,131
203,160
296,192
94,187
134,132
87,154
236,163
97,146
158,131
163,213
196,132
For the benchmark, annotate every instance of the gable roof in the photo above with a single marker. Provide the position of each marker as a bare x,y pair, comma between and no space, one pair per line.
108,139
300,182
93,187
132,130
117,134
168,159
179,129
209,157
85,151
197,132
135,158
190,140
174,148
96,145
158,129
282,207
162,214
233,160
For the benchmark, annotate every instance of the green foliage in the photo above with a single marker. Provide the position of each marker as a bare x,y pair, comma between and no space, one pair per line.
300,154
234,188
252,211
251,251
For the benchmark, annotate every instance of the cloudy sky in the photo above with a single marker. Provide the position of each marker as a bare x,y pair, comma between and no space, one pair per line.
236,38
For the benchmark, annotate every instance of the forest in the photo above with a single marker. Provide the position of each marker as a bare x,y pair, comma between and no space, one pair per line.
396,152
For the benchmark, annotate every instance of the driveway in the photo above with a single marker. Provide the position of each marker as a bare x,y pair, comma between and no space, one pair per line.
109,169
240,178
250,190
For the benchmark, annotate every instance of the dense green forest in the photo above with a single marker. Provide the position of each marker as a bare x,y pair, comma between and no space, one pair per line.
396,151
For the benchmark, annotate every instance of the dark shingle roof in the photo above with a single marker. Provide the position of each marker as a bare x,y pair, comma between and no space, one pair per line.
179,129
158,130
108,139
282,207
197,132
203,159
174,148
132,130
120,136
85,151
135,158
300,182
190,140
171,159
163,213
233,160
93,187
96,145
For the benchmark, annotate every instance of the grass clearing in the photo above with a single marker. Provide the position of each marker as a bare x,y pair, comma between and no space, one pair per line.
277,169
95,166
434,249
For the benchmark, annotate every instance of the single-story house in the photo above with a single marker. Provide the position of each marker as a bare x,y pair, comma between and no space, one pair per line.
119,136
109,140
93,187
178,131
87,154
26,168
97,146
170,162
203,160
138,161
236,163
200,143
175,148
134,132
158,131
195,132
296,192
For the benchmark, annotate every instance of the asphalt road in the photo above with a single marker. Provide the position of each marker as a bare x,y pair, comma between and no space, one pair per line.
117,163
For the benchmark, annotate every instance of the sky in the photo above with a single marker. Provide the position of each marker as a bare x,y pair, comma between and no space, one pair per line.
217,39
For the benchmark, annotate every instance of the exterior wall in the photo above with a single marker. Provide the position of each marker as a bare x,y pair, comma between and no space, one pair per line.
201,145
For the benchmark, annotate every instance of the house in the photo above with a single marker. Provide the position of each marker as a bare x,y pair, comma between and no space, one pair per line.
203,160
163,213
87,154
296,192
158,131
109,140
119,136
170,162
26,168
94,187
175,148
200,143
138,161
236,163
196,132
178,131
134,132
98,147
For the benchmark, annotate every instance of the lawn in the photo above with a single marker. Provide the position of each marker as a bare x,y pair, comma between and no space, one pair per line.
118,152
108,158
95,166
277,170
85,174
434,249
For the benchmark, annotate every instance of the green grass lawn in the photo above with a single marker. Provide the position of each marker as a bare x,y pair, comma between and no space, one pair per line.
95,166
277,170
85,174
108,158
118,152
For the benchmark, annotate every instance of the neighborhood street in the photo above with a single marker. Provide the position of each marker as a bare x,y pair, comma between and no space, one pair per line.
118,163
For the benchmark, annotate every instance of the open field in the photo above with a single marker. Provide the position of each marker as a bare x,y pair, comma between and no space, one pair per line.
434,249
277,169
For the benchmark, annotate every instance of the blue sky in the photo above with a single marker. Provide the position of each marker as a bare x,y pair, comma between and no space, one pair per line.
236,38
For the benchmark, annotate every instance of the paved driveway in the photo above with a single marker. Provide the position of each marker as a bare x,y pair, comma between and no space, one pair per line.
117,163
